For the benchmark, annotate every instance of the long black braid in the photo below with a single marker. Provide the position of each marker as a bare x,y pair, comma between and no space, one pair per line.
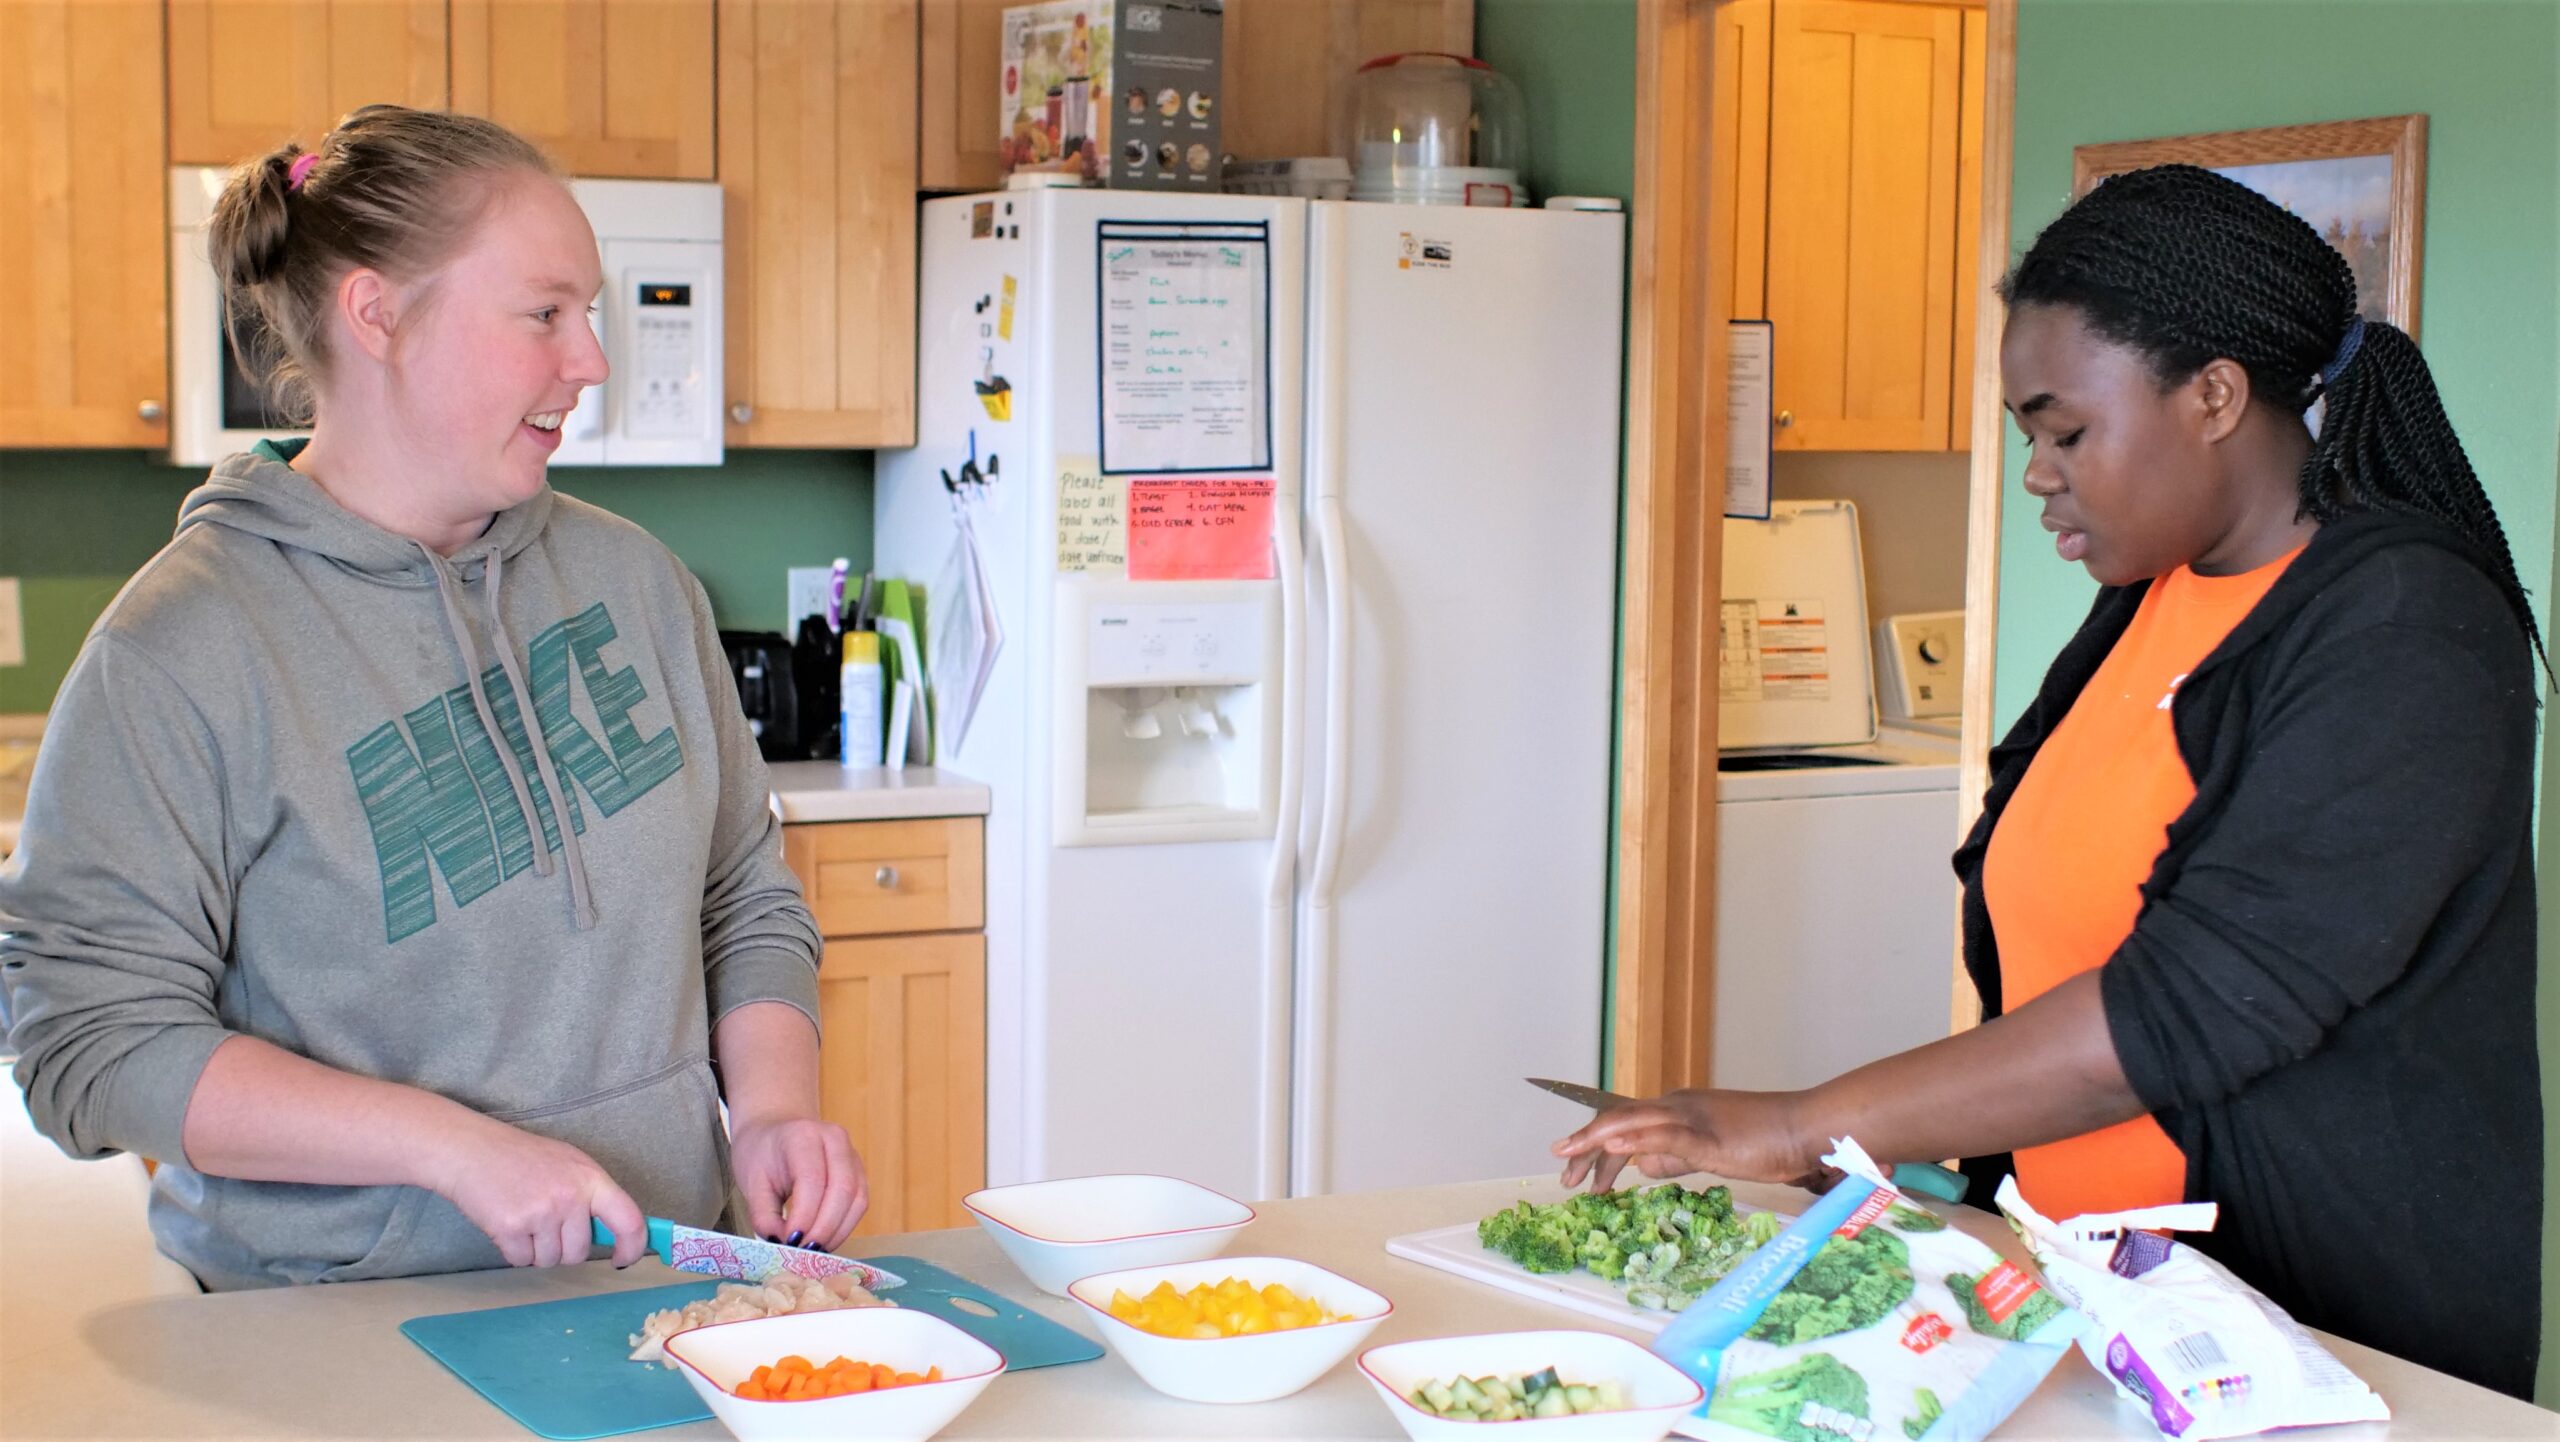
2187,266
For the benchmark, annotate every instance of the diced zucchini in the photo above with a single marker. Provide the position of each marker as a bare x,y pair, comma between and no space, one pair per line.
1438,1397
1537,1382
1467,1393
1581,1399
1552,1403
1613,1398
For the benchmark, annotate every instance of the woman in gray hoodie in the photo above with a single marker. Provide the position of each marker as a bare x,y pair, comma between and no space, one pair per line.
398,872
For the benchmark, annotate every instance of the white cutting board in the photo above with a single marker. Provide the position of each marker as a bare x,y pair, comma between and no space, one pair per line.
1456,1250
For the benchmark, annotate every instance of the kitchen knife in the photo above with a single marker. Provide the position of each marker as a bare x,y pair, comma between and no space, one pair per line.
747,1259
1927,1178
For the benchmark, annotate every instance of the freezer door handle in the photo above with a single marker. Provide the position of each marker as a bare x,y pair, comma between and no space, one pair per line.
1278,963
1335,557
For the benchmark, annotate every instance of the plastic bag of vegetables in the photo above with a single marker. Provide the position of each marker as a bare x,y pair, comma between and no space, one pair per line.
1867,1320
2200,1350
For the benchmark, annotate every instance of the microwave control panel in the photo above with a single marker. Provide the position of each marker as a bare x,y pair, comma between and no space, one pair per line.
663,393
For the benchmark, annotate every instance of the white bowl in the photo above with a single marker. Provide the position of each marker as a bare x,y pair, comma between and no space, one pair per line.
1253,1368
719,1357
1079,1226
1660,1393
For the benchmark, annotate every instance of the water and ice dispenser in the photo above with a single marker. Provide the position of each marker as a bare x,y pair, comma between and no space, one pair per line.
1167,711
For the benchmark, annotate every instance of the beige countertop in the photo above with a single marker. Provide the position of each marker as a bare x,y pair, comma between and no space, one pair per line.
314,1362
825,791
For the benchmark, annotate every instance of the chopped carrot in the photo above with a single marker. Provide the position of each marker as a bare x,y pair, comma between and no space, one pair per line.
796,1379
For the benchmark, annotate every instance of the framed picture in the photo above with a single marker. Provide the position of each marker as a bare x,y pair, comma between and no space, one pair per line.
2361,183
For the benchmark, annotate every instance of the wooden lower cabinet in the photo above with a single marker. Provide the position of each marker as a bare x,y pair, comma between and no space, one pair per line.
902,1007
905,1070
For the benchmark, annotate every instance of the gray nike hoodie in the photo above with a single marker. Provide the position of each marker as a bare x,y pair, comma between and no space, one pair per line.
271,802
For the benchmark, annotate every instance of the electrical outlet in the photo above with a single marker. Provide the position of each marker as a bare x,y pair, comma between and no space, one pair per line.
808,595
13,636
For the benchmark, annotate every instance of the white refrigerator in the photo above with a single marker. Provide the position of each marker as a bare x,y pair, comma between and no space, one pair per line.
1298,852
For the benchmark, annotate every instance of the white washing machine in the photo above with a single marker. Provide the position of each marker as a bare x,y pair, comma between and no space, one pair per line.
1835,904
1835,909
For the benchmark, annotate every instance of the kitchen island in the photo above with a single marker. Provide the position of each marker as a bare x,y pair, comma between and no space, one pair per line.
330,1361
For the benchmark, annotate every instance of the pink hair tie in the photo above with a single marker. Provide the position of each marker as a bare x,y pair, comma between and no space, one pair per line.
301,169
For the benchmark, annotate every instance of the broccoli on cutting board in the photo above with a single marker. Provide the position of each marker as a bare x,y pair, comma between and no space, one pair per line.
1665,1243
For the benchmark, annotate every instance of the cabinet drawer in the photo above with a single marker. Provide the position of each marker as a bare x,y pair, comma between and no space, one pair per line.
876,878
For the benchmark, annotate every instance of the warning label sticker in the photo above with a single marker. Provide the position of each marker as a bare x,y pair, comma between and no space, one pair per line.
1774,651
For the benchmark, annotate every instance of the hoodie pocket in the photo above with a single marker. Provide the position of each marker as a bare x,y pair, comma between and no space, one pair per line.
658,1137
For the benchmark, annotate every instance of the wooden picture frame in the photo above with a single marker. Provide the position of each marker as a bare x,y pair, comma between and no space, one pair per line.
2387,285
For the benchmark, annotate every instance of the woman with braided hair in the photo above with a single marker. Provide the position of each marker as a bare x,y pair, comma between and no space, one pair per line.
2251,901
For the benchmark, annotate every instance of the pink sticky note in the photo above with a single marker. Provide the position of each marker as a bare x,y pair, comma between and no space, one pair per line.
1200,529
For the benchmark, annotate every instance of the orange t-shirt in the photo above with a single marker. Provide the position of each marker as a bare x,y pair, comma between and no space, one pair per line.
2067,861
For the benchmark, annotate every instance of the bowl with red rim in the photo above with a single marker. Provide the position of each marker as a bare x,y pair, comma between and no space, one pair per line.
1248,1367
1655,1394
1080,1226
717,1358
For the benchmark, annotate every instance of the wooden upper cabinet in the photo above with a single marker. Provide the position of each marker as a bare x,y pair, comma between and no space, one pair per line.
1977,44
1289,65
84,226
247,75
605,87
818,168
1738,158
1863,135
962,49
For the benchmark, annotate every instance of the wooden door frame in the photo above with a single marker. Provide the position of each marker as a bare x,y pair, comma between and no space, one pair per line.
1661,1021
1989,436
1662,1018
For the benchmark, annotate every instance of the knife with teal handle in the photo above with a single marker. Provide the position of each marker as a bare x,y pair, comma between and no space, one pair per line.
747,1259
1927,1178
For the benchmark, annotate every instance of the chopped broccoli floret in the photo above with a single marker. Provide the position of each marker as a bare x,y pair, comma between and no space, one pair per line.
1532,1236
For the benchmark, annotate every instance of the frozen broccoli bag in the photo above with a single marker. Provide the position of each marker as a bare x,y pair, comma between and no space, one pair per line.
2196,1347
1867,1320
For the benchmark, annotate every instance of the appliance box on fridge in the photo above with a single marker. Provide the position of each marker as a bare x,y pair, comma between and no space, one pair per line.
1123,93
1253,820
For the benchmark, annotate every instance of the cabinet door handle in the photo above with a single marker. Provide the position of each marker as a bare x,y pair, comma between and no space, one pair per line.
742,413
150,411
1786,419
886,878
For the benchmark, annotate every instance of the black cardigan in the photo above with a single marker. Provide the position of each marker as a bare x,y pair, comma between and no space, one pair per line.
2327,999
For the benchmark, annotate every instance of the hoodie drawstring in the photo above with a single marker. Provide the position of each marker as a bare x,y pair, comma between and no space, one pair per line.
582,906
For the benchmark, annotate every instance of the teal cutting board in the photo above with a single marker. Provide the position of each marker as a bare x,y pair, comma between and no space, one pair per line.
564,1369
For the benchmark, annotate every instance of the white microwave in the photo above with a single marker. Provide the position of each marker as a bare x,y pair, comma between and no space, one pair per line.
659,318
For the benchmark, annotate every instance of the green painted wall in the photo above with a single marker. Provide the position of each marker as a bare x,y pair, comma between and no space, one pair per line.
1575,63
75,524
2486,75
